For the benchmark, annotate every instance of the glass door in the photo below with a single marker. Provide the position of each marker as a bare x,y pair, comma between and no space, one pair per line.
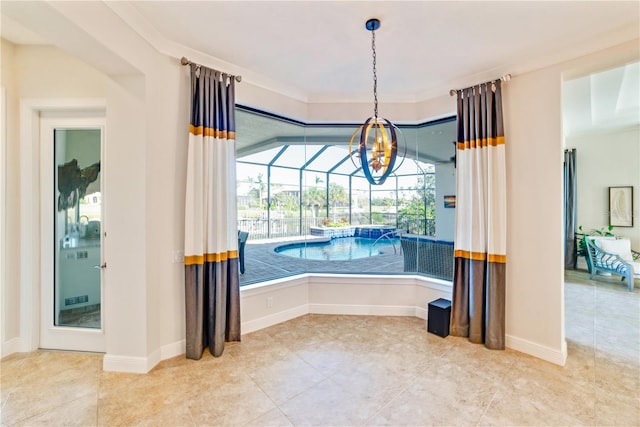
73,267
77,221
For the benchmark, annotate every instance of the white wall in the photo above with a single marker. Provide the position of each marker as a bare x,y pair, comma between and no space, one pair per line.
125,219
11,239
166,180
351,294
607,159
534,202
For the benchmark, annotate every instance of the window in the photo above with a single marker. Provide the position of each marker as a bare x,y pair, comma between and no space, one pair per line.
298,180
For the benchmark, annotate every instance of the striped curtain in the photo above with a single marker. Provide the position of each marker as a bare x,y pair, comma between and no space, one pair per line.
212,292
478,306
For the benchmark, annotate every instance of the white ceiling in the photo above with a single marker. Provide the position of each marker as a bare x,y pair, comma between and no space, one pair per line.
323,51
319,51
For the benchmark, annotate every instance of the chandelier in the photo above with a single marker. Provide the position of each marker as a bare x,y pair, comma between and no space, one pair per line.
378,143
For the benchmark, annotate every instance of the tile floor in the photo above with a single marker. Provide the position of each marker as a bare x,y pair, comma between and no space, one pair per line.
353,370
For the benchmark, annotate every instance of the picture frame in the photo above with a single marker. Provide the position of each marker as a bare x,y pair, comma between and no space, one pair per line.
450,201
621,206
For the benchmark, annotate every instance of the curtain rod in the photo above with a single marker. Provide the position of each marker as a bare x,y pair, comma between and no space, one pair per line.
185,61
504,78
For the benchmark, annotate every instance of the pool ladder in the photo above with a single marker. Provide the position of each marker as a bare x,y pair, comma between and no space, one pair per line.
387,234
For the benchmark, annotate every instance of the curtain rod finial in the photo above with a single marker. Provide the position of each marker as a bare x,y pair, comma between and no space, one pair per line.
184,61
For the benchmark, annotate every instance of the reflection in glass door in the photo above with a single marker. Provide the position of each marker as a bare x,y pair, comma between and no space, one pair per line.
77,223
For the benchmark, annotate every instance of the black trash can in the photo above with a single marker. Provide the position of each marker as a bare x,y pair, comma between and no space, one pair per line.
438,317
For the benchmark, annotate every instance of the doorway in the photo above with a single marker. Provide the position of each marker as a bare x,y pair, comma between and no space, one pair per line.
72,236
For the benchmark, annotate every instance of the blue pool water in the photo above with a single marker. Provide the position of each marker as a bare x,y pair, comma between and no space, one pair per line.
339,249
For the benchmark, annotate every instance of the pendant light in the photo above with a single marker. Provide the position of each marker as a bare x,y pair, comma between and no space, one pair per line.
377,137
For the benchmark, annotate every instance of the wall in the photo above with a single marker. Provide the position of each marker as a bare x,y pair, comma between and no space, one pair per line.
607,159
532,112
125,219
11,239
350,294
167,133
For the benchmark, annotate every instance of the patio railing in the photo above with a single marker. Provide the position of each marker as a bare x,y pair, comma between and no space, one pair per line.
291,227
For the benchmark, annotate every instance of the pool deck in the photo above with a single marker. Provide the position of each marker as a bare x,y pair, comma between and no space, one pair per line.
262,263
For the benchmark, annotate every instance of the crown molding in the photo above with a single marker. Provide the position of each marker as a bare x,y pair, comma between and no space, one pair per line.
130,15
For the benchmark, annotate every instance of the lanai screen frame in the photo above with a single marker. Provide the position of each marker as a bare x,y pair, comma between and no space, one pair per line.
278,146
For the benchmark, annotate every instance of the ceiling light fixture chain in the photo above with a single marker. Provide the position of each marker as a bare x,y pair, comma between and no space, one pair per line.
375,75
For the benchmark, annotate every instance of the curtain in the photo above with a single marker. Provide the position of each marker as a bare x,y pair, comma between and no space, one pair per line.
570,209
478,305
212,292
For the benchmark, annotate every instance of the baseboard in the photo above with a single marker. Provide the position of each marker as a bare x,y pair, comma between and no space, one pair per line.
362,310
14,345
558,357
273,319
172,350
134,365
420,312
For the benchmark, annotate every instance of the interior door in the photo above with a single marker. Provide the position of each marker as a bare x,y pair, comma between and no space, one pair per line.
72,233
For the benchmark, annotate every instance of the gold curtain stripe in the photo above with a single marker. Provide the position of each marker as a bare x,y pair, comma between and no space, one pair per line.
480,256
479,143
200,259
194,260
497,259
216,133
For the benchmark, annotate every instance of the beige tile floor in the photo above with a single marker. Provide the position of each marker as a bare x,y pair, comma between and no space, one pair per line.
353,370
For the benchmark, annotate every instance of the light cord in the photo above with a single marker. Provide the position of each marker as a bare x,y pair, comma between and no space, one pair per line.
375,76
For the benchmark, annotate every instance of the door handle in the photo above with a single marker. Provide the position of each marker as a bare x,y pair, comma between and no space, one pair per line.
98,267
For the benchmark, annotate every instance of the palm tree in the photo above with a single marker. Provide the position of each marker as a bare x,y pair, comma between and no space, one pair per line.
314,198
337,196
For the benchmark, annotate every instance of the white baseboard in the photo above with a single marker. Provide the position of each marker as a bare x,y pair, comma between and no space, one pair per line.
273,319
142,365
362,310
558,357
134,365
172,350
420,312
14,345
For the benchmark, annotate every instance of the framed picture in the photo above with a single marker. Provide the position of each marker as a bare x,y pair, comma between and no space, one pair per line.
449,201
621,206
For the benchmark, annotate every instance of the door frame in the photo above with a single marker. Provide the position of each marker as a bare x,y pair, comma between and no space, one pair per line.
3,213
30,236
52,336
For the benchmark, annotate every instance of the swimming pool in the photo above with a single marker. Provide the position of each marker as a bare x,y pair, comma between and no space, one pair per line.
339,249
